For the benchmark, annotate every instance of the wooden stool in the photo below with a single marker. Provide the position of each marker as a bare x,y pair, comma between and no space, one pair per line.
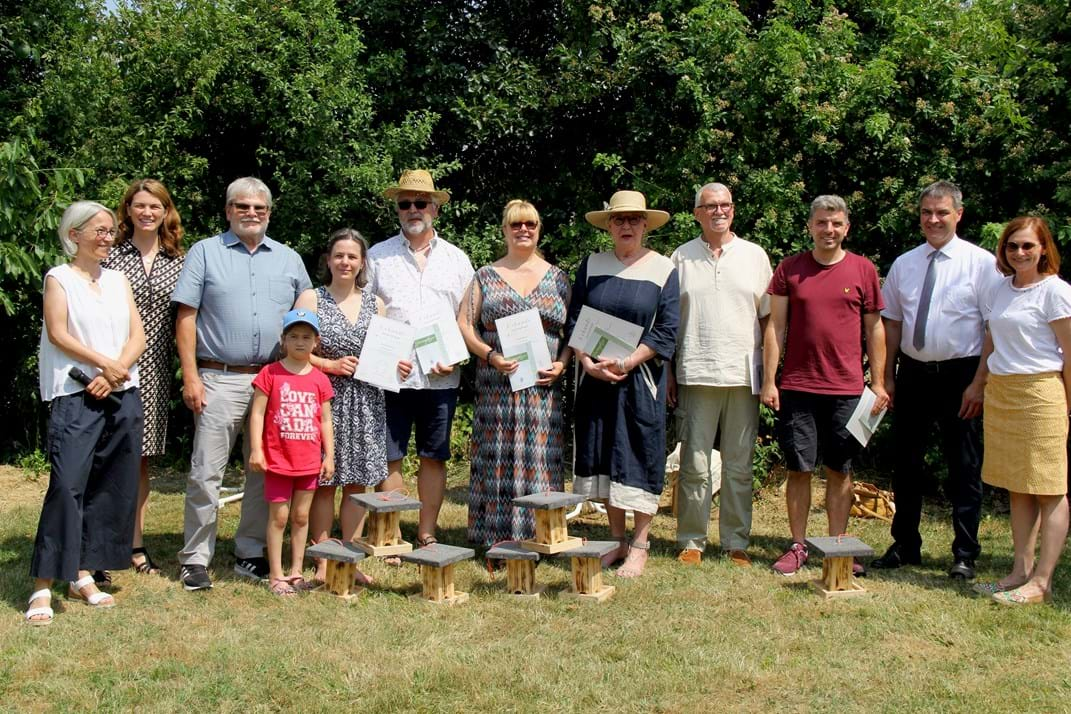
551,531
342,559
587,570
837,553
436,563
381,528
520,569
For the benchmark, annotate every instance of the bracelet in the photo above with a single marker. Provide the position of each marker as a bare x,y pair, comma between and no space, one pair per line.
490,352
621,366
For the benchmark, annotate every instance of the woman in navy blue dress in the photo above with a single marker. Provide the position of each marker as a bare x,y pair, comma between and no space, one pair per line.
620,407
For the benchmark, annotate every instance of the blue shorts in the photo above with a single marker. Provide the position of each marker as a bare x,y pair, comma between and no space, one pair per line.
813,427
431,410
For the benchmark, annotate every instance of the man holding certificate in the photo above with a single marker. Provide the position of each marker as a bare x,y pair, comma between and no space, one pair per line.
512,319
723,311
419,275
824,298
620,408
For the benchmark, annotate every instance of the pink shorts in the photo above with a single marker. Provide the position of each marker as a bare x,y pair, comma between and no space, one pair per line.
278,488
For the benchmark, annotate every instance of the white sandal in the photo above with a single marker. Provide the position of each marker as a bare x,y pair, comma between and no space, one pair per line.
97,599
37,611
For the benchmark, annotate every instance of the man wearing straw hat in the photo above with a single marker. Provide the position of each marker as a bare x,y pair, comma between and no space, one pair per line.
417,273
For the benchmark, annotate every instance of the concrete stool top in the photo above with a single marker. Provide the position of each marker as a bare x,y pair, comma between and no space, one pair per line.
840,547
549,500
386,501
511,551
438,555
591,549
333,550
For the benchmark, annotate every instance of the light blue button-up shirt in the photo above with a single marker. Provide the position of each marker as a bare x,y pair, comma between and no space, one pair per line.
240,297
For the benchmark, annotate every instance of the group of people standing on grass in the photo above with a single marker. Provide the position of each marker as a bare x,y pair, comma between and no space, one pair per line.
265,354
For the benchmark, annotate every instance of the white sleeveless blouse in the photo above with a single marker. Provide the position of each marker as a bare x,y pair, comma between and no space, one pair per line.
99,321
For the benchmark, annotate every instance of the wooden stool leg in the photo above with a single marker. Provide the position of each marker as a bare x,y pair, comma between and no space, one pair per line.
587,581
340,577
559,531
520,577
438,582
393,532
542,526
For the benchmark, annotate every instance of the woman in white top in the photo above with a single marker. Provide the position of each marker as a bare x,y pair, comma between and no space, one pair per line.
1026,370
91,340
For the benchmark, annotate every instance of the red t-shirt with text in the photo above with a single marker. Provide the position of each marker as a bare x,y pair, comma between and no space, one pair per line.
292,442
826,303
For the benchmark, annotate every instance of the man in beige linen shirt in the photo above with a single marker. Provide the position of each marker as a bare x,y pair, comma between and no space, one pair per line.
724,305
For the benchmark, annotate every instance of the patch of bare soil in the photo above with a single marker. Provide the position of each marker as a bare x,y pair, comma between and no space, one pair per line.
19,489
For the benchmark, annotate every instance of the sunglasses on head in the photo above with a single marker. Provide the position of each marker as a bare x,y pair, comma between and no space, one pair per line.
420,204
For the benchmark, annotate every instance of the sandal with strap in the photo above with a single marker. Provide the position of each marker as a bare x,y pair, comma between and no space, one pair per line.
300,584
146,566
282,587
97,599
102,579
40,616
425,541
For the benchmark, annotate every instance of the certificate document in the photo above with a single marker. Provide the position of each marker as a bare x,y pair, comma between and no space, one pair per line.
604,336
523,341
862,424
386,343
439,340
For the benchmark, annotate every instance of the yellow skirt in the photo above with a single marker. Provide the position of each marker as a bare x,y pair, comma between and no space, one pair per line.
1025,421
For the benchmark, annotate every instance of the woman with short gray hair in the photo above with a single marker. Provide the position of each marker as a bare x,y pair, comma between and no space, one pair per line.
90,342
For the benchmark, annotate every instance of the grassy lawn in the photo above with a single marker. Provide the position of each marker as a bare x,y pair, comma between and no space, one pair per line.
714,638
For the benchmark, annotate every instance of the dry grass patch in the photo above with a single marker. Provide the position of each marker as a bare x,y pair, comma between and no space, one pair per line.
709,638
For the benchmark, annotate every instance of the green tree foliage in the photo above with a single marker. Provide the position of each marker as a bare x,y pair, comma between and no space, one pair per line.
557,101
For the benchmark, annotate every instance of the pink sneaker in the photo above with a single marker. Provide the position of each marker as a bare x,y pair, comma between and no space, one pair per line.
793,559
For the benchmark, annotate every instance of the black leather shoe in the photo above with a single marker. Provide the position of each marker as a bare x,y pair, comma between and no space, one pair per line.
962,569
895,557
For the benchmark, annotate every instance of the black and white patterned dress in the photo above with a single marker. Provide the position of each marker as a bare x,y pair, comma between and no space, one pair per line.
152,295
358,411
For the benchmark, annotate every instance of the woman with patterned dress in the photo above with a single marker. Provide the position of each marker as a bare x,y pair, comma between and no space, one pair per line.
620,412
345,310
516,436
148,251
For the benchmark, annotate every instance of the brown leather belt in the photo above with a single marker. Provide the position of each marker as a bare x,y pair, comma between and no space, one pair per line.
237,368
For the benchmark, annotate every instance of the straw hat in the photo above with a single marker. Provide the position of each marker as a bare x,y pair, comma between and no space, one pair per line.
417,180
627,202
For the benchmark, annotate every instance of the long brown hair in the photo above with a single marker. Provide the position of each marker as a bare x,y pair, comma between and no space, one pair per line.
171,231
1049,263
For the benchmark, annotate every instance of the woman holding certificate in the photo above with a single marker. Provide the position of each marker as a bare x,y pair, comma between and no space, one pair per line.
620,407
511,307
345,309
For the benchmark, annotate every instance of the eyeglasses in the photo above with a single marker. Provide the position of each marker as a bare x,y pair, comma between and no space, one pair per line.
259,208
101,233
530,225
1016,247
420,205
715,207
630,220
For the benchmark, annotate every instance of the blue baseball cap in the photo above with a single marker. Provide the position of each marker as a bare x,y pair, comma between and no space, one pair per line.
307,317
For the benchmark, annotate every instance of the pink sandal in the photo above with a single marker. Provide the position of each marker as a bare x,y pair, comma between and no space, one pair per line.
282,587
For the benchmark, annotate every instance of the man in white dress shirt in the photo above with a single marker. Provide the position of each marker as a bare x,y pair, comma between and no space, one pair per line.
724,305
933,320
419,275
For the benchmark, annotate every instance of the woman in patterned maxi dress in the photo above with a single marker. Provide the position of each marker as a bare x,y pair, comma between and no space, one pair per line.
345,310
516,436
148,251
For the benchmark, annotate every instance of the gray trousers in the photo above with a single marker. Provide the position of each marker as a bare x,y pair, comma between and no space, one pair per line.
701,411
228,396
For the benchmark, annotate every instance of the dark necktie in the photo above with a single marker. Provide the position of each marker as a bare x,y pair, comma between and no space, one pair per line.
919,338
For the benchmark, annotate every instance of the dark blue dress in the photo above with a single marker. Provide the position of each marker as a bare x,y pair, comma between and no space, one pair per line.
620,439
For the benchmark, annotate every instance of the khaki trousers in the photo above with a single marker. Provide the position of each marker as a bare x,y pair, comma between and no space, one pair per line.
702,410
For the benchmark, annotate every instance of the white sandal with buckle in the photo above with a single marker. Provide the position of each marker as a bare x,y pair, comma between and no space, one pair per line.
43,593
97,599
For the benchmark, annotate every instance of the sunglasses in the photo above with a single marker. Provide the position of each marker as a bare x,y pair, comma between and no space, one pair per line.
530,225
258,208
1016,247
420,205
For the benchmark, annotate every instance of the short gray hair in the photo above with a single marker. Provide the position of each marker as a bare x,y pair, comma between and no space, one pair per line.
248,186
832,203
77,215
943,189
710,187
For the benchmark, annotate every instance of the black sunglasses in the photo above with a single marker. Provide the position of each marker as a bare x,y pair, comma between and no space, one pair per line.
421,205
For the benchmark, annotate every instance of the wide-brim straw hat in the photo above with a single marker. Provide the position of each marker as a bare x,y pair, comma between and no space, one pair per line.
417,180
627,202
